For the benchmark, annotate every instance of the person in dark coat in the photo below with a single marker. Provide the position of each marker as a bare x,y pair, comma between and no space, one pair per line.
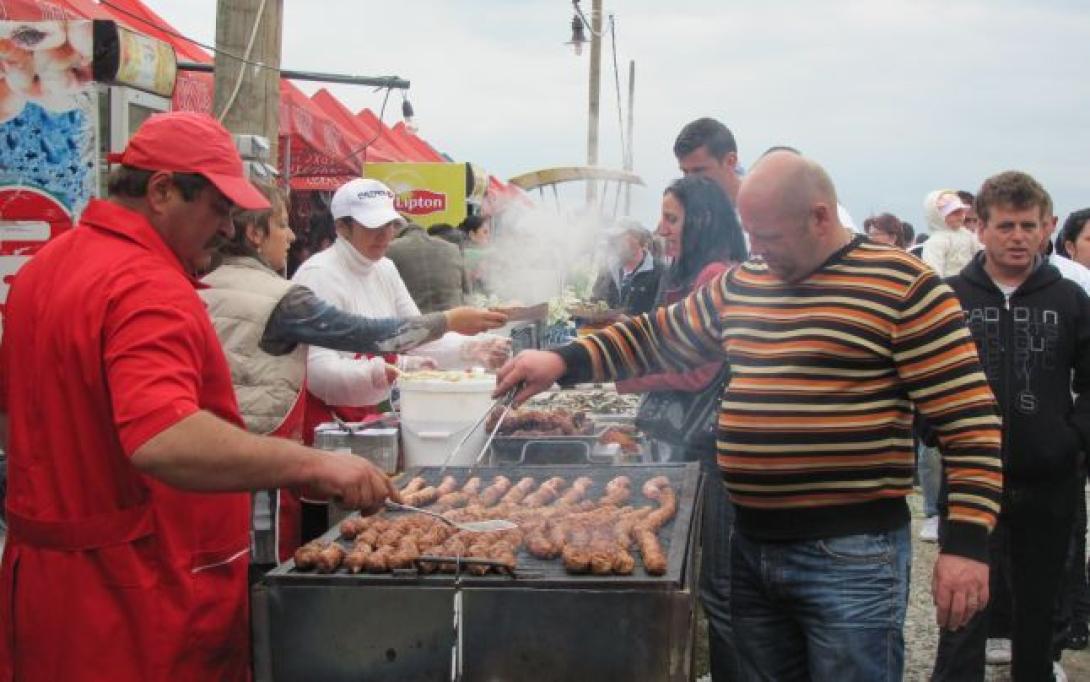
631,280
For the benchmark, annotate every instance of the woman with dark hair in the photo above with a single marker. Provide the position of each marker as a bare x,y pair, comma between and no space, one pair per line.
265,323
1074,241
885,228
477,231
703,237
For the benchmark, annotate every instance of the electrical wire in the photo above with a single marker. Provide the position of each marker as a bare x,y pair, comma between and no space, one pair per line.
617,83
211,48
246,58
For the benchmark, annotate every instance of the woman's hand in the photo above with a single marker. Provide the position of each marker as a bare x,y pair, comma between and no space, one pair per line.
470,321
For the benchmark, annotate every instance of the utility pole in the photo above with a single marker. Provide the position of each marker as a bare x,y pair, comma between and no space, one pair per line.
629,162
252,106
595,79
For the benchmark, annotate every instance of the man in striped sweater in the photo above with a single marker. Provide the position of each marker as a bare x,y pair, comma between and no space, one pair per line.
832,339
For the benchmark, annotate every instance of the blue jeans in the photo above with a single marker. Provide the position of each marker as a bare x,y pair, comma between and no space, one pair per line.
930,471
718,530
830,610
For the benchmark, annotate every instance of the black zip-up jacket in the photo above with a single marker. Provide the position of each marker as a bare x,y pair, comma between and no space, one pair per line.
1035,350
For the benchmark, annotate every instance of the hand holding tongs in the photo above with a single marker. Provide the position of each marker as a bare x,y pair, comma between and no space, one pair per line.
506,400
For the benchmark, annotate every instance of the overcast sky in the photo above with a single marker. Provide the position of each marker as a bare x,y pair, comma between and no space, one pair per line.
894,97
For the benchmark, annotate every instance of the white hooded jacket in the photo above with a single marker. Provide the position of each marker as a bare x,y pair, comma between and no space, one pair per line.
946,251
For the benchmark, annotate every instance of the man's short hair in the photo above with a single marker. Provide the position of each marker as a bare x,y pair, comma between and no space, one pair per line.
126,181
705,132
967,198
1015,189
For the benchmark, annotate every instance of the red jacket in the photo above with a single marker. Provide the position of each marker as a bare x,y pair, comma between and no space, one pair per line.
108,573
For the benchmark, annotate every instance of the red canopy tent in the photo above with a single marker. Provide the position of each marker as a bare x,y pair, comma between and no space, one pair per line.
378,149
54,10
425,150
406,152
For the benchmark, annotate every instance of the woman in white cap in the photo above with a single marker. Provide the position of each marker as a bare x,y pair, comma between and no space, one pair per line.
265,324
951,246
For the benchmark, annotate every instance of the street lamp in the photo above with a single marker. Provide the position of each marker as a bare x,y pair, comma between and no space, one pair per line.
578,37
579,22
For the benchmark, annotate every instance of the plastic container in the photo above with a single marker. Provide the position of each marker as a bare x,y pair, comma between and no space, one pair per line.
437,413
376,445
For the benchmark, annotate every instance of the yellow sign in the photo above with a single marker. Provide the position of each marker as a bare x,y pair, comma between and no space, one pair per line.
425,193
146,63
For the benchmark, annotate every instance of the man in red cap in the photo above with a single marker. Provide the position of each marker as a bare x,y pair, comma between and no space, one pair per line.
128,520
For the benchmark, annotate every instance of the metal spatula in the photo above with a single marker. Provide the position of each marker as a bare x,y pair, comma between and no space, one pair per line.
470,526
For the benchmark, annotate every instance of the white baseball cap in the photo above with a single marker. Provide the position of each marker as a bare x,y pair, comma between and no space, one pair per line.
369,202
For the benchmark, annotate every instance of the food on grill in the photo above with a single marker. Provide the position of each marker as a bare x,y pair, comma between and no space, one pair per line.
622,436
654,560
306,557
594,401
493,493
527,422
520,491
588,529
415,484
421,497
330,558
576,492
547,493
617,491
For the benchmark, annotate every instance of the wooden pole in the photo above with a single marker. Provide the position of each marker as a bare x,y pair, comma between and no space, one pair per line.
255,109
595,82
629,160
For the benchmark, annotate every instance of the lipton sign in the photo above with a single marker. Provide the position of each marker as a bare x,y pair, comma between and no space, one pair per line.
420,202
425,193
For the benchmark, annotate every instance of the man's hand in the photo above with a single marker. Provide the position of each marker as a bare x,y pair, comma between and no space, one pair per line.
352,481
959,587
535,370
470,321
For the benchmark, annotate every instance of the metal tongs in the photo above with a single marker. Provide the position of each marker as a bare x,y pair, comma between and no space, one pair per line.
507,400
470,526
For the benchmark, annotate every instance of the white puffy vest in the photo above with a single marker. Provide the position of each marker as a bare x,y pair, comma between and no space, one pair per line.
241,299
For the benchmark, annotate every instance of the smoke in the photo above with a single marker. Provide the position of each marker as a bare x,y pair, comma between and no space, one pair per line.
538,252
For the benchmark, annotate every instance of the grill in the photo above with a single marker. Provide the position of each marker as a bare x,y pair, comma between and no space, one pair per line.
539,624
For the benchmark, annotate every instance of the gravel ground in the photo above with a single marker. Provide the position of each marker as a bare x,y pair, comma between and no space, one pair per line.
921,633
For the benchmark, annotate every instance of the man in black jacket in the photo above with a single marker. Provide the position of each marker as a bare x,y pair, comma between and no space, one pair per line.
631,282
1032,330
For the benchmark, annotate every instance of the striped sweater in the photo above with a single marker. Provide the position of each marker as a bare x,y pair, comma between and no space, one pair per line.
815,427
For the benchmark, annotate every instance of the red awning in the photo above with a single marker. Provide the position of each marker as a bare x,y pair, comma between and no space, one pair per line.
50,10
322,154
378,150
424,149
406,152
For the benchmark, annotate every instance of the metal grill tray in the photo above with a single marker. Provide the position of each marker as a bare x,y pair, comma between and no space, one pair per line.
538,573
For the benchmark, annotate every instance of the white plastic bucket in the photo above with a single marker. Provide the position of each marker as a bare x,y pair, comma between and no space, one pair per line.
436,414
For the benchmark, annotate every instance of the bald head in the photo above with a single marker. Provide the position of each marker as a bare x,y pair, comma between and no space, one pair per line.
788,207
788,182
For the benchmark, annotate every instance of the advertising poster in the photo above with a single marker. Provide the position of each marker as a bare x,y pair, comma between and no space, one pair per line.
47,136
426,193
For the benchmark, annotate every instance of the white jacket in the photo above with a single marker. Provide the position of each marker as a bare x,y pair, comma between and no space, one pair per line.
344,278
947,251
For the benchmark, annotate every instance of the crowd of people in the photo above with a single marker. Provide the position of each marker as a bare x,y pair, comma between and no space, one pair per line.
814,372
840,365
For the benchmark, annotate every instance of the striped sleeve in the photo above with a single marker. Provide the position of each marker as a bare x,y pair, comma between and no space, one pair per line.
676,338
937,362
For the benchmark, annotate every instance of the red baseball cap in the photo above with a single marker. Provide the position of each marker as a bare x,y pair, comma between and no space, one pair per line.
190,142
